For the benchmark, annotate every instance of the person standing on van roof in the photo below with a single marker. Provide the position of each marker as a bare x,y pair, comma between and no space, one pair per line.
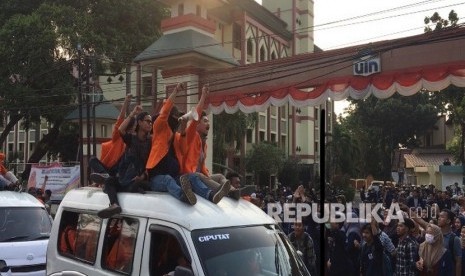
196,153
131,167
111,150
7,179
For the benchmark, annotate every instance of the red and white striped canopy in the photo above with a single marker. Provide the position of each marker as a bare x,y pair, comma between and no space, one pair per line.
430,61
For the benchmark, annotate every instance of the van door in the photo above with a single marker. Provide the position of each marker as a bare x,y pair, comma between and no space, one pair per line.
166,247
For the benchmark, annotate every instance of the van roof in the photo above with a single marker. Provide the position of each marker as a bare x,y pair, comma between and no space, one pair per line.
204,214
18,199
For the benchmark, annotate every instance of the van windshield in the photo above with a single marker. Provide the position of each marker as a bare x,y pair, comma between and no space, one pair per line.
256,250
24,224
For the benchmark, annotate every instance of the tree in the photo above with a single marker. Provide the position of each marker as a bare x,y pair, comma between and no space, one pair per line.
289,173
451,102
229,133
38,46
265,159
381,125
440,23
342,151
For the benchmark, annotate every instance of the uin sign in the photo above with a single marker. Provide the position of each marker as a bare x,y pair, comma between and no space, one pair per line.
367,65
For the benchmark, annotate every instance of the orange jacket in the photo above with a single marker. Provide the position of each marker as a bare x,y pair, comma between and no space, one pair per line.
68,240
161,137
191,152
113,150
3,170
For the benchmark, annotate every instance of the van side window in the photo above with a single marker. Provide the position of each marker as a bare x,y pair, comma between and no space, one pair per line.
166,253
119,244
78,235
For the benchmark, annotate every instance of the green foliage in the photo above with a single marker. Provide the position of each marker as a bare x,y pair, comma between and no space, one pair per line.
289,173
229,132
381,125
342,151
452,103
440,23
342,182
67,143
38,50
265,159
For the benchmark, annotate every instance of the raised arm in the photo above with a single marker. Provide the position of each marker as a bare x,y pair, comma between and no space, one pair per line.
205,92
123,127
173,94
44,184
126,102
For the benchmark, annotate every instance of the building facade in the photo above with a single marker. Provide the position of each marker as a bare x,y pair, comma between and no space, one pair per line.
201,37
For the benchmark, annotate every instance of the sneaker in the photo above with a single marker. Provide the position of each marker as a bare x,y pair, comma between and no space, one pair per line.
222,191
99,178
188,195
114,209
235,194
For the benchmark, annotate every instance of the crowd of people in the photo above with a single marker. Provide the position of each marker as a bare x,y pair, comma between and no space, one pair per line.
428,240
167,152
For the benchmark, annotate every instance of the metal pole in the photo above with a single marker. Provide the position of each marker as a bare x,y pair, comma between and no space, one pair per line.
94,139
322,188
81,157
88,106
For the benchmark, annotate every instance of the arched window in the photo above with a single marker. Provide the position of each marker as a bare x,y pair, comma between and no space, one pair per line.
250,50
263,53
274,55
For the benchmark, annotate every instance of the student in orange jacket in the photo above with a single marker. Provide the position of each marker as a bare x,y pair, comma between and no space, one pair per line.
111,150
196,152
166,158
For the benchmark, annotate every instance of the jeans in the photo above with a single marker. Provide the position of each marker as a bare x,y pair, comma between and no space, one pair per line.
166,183
198,186
7,179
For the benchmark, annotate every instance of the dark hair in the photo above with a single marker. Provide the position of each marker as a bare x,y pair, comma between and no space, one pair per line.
174,111
230,175
140,117
450,215
48,192
366,226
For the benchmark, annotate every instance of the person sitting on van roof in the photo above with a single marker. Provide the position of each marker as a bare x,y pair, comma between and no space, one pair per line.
165,157
112,150
7,179
195,153
131,168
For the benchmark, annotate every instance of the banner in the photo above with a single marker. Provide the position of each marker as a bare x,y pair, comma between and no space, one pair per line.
60,179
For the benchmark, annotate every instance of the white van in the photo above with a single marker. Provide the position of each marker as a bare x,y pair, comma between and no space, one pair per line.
157,234
24,232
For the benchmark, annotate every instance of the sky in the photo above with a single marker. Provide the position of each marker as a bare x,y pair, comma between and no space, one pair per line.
342,23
